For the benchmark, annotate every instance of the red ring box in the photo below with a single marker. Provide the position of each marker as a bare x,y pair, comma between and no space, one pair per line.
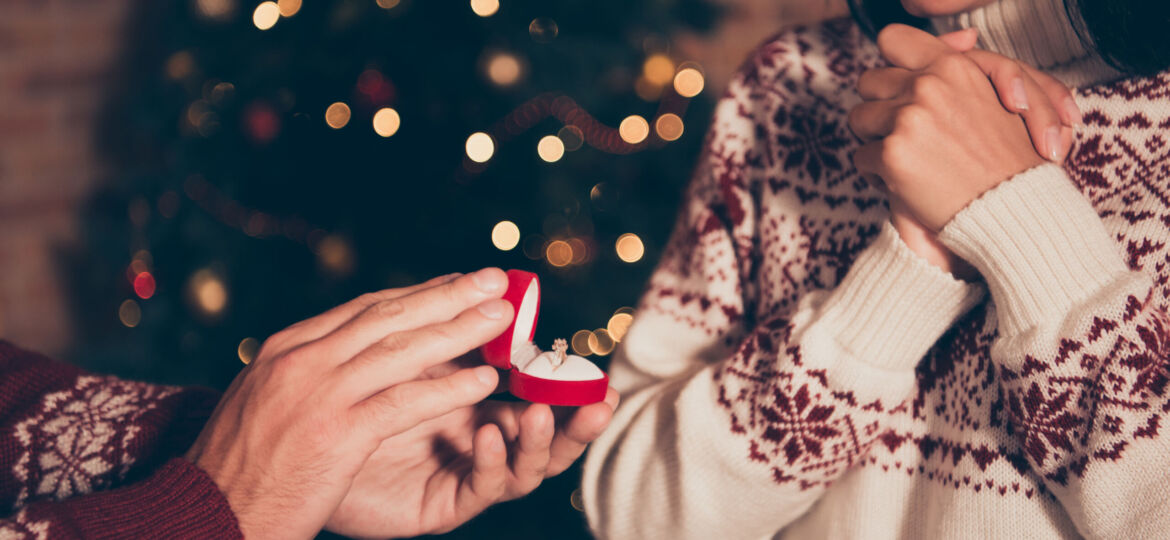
531,376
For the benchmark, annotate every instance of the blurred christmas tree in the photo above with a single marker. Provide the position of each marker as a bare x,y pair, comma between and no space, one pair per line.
269,161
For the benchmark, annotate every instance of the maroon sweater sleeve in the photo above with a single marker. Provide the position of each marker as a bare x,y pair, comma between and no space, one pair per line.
86,456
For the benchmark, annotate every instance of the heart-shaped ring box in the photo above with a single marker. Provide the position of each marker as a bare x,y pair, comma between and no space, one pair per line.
534,375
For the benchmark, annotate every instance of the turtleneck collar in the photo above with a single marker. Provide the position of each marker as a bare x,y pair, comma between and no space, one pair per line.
1040,33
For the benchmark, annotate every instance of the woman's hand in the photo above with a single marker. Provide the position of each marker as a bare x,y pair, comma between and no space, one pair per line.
939,134
300,422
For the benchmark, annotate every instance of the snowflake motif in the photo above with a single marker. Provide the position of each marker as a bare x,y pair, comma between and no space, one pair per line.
20,527
1047,423
797,429
80,440
813,143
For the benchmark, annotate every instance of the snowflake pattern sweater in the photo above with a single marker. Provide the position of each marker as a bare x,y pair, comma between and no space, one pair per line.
83,456
796,371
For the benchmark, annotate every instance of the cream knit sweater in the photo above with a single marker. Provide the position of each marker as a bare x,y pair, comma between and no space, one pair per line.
795,371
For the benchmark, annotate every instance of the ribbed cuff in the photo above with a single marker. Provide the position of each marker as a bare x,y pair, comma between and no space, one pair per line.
1039,244
893,305
178,501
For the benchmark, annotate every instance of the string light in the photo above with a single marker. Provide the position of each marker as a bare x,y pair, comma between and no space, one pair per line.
388,4
129,313
688,82
629,248
247,350
600,342
559,253
505,235
572,137
634,129
335,255
480,147
485,8
503,69
386,122
618,325
215,9
266,15
658,69
580,343
577,500
288,8
337,115
669,127
550,148
144,285
180,65
543,29
208,292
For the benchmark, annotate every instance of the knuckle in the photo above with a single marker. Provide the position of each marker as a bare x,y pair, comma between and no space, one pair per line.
392,345
927,87
888,35
388,309
894,151
952,64
910,118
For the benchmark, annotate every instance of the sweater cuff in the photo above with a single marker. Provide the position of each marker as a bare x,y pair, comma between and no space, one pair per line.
178,501
1039,244
893,305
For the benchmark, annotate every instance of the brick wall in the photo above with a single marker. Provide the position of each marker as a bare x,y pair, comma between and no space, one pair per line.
55,57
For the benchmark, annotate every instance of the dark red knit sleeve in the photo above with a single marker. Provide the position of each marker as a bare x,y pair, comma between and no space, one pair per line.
86,456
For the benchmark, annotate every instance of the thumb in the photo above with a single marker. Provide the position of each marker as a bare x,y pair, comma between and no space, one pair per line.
961,40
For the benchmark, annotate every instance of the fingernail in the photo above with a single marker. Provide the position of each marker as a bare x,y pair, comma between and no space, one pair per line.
1073,112
1052,140
487,281
486,375
493,310
1019,95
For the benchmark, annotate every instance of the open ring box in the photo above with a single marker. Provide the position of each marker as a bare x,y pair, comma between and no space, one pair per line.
553,377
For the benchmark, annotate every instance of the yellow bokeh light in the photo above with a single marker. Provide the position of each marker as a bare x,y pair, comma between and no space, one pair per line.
335,255
247,350
550,148
658,69
618,325
629,248
580,343
669,127
505,235
600,342
266,15
337,115
559,253
480,147
504,69
485,8
129,313
688,82
388,4
387,122
634,129
288,8
208,292
215,9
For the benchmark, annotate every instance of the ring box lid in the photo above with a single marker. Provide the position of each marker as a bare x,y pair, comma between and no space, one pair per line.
524,294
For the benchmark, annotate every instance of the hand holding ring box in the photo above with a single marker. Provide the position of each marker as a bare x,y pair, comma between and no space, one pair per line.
554,377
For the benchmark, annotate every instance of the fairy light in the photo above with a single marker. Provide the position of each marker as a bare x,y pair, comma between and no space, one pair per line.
600,342
505,236
559,253
572,137
580,343
688,82
634,129
630,248
485,8
658,69
480,147
129,314
504,69
208,292
335,255
337,115
144,285
266,15
247,350
388,4
387,122
288,8
215,9
543,29
618,325
550,148
669,127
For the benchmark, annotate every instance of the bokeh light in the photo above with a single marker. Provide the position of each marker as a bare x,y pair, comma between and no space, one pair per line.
629,248
543,29
207,292
618,325
288,8
247,349
504,69
215,9
580,343
335,255
688,82
572,137
669,127
337,115
480,147
144,285
658,69
550,148
387,122
505,236
266,15
634,129
600,342
559,253
485,8
129,313
388,4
